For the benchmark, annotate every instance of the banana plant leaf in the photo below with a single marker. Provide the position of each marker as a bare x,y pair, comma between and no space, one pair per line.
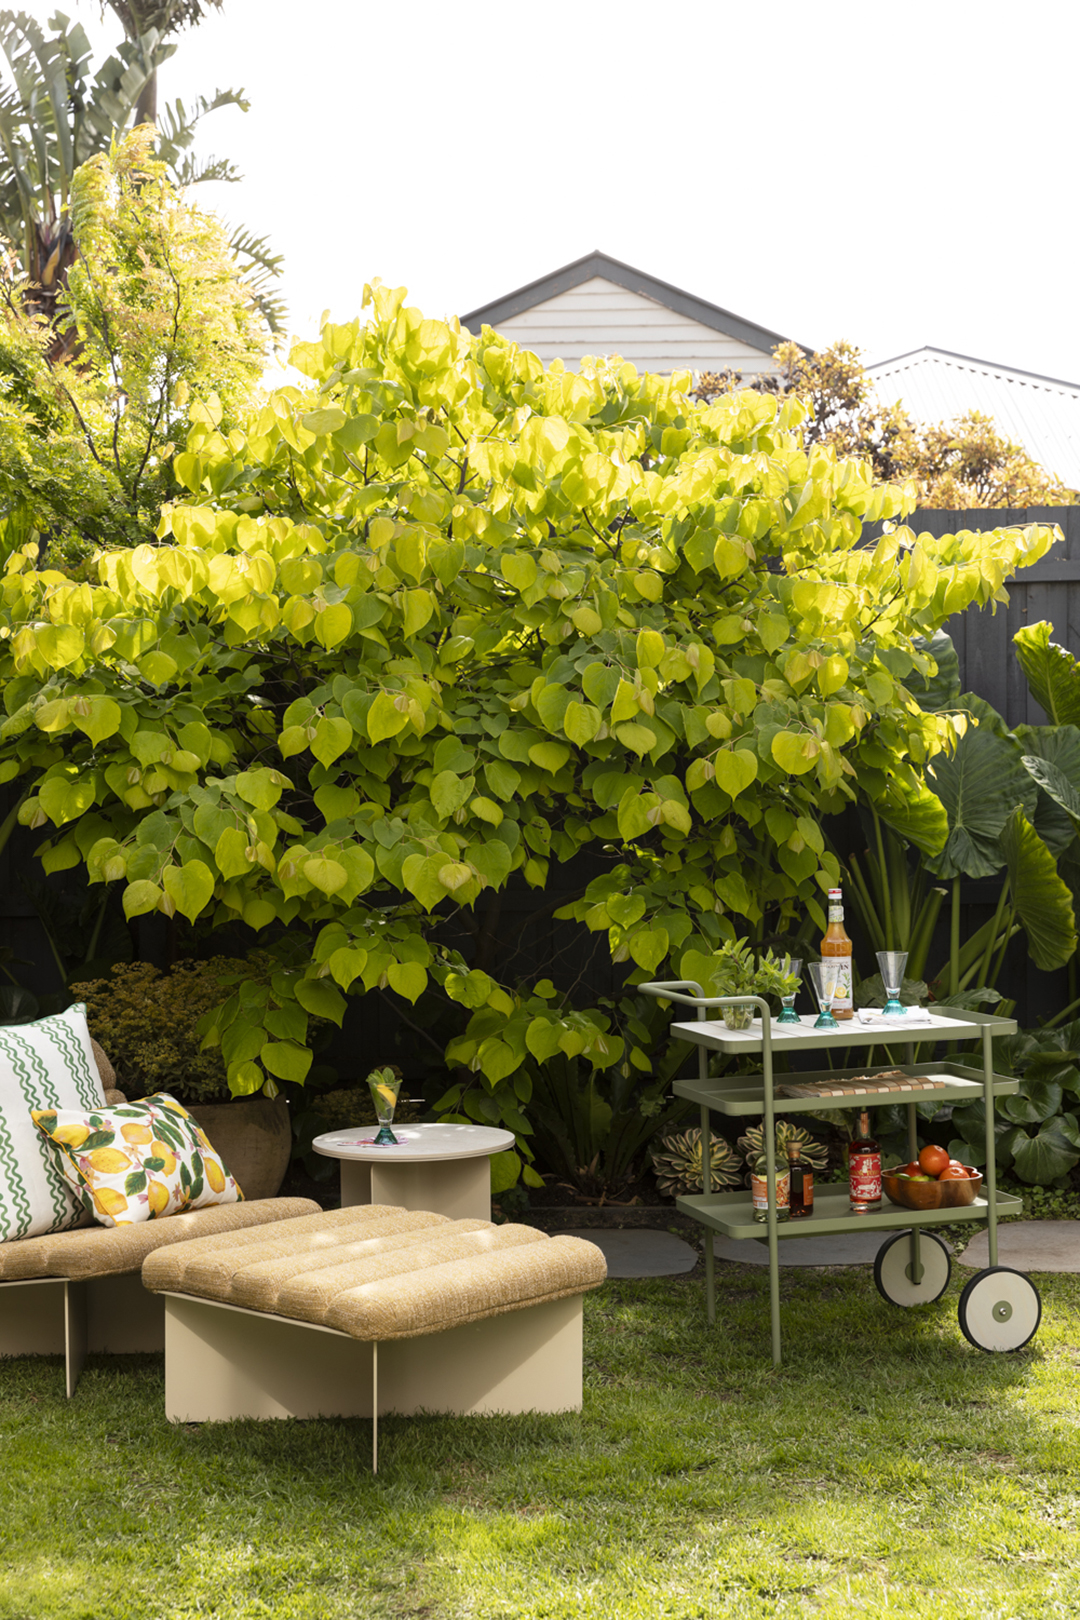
1052,673
1040,896
979,785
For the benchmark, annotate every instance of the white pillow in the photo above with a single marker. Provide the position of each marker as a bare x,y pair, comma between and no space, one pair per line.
47,1064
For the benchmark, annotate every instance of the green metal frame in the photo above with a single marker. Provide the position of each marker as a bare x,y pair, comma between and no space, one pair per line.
727,1212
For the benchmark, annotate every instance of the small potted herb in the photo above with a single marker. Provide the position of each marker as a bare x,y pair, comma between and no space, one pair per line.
737,972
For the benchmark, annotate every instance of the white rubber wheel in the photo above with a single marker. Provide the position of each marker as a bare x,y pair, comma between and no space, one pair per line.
893,1271
1000,1309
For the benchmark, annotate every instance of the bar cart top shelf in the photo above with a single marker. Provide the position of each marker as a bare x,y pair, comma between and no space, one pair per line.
937,1026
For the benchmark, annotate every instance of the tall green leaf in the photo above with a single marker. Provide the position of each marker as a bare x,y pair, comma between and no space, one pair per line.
1052,673
1042,900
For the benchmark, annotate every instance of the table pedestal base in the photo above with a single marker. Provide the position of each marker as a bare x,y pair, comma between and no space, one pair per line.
459,1188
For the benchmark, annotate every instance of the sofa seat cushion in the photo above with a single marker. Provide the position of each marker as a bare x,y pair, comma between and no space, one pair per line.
377,1272
105,1251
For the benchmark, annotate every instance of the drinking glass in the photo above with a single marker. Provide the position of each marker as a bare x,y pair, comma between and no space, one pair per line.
824,976
385,1086
892,965
788,1015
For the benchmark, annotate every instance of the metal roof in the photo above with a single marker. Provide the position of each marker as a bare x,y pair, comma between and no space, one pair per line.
1041,413
623,275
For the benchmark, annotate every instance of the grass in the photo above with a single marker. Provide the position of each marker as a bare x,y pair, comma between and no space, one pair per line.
885,1467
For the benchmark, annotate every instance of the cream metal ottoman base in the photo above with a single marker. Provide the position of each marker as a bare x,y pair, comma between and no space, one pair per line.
223,1362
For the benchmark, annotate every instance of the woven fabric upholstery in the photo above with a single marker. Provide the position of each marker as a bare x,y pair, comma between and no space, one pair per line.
376,1272
105,1251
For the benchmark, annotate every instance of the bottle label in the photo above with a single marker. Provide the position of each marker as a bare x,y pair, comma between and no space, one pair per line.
864,1173
759,1192
842,1000
807,1186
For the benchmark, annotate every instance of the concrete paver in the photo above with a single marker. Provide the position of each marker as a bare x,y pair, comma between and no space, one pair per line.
640,1253
1029,1246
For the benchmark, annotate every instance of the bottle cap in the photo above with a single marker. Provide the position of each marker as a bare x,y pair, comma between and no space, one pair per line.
793,1150
836,894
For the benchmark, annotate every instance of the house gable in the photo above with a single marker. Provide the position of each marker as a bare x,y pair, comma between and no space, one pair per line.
599,306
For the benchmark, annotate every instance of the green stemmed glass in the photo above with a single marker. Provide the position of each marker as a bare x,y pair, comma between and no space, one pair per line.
385,1085
788,1015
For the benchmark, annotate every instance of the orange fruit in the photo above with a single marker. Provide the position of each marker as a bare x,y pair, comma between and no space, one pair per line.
933,1159
953,1172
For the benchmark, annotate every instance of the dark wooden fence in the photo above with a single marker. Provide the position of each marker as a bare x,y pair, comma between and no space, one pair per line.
1049,589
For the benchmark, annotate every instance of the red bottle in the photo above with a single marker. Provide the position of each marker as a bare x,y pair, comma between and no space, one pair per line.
864,1170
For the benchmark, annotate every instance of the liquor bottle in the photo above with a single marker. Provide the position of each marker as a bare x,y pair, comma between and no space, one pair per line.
836,943
801,1195
759,1191
864,1170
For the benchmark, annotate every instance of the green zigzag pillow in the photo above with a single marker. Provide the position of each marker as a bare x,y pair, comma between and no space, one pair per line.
47,1064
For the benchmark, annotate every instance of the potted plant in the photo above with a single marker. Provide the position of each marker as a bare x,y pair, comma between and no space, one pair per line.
737,972
147,1023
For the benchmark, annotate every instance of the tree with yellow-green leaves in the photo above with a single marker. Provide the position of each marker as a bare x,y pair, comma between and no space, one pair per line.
955,466
156,313
444,617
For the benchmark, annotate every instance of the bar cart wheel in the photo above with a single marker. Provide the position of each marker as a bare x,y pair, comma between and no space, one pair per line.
1000,1309
893,1270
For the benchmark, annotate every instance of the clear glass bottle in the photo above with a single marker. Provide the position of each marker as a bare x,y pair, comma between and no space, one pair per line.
864,1169
759,1185
836,943
801,1176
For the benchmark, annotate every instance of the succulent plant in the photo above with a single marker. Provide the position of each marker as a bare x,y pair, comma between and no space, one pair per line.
677,1162
814,1152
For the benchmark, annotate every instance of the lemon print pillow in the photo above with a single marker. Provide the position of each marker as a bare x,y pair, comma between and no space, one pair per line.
136,1162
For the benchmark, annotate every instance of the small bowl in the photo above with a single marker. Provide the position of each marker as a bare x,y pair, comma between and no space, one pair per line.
931,1194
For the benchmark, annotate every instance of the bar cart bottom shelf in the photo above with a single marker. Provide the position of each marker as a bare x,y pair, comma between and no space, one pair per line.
733,1214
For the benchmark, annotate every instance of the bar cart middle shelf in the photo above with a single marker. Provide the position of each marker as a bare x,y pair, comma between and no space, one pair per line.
999,1308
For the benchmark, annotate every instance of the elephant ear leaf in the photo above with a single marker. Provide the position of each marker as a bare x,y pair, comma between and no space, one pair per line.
979,784
1057,815
939,691
1043,901
1042,1158
1052,673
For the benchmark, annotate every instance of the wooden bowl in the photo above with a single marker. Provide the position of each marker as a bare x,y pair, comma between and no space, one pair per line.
931,1194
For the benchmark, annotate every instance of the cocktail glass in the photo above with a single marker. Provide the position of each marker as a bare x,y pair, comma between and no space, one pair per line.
892,965
788,1015
824,976
385,1086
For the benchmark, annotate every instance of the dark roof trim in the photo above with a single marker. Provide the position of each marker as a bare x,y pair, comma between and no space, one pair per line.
624,275
969,359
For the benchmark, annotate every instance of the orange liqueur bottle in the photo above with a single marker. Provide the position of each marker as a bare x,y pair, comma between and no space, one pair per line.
837,943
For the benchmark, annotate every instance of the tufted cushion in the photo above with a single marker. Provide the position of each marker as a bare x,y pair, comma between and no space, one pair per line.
100,1251
377,1272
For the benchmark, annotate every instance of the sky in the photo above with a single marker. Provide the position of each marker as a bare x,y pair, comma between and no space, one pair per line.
893,175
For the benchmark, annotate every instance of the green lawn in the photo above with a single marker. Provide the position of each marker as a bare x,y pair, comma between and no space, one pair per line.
886,1467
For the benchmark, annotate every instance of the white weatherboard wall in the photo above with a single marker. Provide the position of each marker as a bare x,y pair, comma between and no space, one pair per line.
597,317
1041,413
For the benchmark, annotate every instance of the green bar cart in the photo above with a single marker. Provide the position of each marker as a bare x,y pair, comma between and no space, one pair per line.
999,1308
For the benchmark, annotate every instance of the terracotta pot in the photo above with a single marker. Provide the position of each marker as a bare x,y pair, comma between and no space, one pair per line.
254,1137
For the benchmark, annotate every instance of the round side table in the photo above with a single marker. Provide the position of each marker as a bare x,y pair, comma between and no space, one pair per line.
443,1168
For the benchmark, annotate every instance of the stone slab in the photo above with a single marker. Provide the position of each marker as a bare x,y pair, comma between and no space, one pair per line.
1029,1246
837,1249
641,1253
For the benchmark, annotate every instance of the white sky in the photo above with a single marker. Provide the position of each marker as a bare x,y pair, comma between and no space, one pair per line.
895,175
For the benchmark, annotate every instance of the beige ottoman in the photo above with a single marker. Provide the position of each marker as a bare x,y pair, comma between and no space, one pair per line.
288,1323
68,1293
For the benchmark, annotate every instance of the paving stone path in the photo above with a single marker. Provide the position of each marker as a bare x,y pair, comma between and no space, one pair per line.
641,1253
1029,1246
